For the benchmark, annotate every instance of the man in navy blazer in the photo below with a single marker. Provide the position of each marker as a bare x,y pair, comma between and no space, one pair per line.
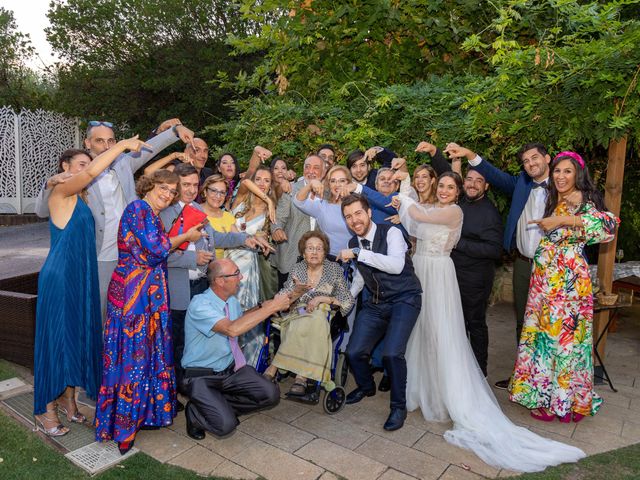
528,192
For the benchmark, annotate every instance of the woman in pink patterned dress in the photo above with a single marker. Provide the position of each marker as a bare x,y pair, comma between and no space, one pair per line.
553,374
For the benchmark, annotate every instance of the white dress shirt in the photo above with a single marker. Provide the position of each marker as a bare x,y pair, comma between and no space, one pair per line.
114,204
392,262
528,236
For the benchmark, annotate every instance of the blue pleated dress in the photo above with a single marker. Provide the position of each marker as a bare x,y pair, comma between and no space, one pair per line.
68,343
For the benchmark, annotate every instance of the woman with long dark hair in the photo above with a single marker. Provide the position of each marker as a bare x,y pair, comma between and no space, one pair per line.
443,376
553,374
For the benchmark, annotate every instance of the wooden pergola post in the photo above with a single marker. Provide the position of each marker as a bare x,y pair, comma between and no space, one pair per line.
606,259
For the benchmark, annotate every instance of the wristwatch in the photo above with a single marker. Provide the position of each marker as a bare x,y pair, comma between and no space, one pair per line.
175,129
356,251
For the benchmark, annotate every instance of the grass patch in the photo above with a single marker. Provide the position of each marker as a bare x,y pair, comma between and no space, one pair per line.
6,370
621,464
26,456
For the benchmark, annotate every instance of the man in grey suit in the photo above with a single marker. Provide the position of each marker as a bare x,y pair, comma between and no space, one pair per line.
291,222
188,269
114,189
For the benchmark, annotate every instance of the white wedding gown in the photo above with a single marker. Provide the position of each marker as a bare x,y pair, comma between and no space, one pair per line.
443,376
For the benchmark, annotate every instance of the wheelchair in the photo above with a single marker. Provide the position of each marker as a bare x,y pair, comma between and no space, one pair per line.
334,400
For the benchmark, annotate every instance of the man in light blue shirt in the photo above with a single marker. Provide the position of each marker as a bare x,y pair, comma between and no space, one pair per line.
216,378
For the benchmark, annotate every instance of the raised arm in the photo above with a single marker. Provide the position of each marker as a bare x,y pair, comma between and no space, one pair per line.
164,161
80,180
165,137
258,157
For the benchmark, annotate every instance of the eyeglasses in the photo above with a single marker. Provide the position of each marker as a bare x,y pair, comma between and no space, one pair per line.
217,193
333,181
168,190
314,249
96,123
234,274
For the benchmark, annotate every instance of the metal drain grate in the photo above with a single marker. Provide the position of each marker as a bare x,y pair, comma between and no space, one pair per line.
78,436
97,457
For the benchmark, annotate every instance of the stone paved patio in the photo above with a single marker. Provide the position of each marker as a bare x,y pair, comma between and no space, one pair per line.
294,441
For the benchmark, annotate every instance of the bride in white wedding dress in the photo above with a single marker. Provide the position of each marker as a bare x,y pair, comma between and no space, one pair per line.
443,377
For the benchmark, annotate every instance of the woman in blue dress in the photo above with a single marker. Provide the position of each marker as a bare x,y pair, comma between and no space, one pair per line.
68,321
138,387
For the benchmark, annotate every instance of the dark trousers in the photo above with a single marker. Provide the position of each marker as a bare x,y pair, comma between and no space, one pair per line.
196,287
521,279
393,322
177,332
475,289
217,400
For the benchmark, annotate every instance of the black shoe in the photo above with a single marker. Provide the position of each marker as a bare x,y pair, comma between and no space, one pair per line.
149,427
502,384
194,432
385,384
358,394
396,419
179,406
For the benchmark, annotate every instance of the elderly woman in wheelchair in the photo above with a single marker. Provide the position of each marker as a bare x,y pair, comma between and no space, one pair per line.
317,287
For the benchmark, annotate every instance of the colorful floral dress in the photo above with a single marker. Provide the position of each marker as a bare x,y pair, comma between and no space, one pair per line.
554,367
138,378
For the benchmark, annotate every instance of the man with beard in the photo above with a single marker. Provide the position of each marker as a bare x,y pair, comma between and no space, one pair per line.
474,257
392,298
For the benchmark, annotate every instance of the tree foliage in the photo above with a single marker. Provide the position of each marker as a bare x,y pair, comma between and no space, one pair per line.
141,61
506,73
20,86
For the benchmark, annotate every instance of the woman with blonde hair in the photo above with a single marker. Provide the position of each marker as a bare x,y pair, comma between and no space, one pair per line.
322,202
215,189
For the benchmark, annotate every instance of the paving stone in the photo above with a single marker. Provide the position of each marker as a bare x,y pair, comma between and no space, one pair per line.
504,473
341,461
198,459
601,439
179,424
276,433
228,469
329,476
372,419
438,447
325,426
392,474
229,446
272,463
631,430
456,473
162,444
404,459
287,411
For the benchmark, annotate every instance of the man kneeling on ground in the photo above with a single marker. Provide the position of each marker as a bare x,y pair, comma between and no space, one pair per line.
219,383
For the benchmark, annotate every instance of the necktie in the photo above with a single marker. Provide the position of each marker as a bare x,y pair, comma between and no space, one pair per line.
540,185
366,244
238,356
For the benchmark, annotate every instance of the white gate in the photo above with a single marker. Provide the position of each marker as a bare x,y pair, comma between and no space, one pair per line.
30,144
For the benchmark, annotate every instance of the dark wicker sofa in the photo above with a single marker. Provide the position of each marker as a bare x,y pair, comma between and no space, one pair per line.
18,296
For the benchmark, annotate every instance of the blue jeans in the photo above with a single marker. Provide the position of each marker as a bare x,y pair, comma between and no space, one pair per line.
394,322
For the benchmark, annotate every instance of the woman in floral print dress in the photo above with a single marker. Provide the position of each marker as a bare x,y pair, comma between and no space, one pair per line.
553,374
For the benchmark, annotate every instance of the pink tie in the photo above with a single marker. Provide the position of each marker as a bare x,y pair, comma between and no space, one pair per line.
238,356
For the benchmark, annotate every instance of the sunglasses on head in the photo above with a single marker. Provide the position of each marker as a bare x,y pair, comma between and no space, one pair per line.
96,123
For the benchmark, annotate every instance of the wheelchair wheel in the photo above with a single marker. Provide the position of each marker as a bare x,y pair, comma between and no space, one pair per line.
334,400
342,370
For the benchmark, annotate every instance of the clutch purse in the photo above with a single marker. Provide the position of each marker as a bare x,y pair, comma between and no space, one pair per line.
189,217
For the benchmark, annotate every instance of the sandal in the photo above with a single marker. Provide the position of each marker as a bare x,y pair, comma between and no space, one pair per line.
57,430
76,417
298,389
542,415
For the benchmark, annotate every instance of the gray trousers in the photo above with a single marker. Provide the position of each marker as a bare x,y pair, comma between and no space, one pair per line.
215,401
521,278
105,270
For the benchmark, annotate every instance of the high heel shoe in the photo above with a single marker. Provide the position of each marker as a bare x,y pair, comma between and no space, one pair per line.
56,431
565,418
76,417
542,415
577,417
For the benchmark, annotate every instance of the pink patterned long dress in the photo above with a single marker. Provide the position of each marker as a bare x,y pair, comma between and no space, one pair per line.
554,367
